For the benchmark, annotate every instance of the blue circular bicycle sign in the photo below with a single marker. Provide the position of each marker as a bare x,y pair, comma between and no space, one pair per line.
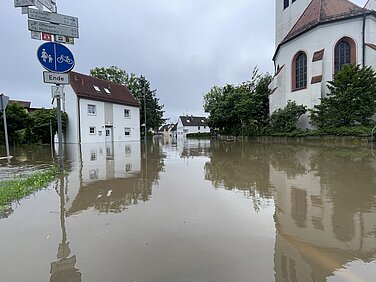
55,57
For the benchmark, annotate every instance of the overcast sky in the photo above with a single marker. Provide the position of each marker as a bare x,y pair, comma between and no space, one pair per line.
183,47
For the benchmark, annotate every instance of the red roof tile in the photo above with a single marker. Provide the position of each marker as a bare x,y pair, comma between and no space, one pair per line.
83,86
319,11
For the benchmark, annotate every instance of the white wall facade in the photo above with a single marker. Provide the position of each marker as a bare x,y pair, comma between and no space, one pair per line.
322,37
184,130
84,127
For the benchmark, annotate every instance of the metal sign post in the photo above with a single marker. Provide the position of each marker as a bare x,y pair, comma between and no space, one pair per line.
3,105
57,93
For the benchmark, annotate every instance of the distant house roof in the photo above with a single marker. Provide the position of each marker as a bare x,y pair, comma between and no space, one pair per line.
320,12
24,104
93,88
193,121
166,127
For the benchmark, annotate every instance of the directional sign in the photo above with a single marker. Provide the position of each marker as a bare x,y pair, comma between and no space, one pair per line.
55,57
23,3
52,18
53,28
48,4
55,78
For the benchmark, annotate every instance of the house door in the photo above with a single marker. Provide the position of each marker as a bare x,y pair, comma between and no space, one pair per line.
109,134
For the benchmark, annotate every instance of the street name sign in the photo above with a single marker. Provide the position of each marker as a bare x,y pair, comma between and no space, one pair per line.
55,57
52,18
55,78
23,3
53,28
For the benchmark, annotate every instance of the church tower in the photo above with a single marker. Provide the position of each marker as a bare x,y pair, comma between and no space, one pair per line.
287,14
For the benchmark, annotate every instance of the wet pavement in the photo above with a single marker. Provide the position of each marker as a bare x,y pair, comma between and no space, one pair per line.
195,210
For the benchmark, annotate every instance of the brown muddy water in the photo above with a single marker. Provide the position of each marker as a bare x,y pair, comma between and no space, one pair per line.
195,211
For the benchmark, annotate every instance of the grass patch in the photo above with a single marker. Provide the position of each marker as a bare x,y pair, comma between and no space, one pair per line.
22,186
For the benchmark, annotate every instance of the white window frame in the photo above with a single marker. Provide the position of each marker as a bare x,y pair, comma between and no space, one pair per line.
129,113
97,88
127,130
107,90
94,129
94,108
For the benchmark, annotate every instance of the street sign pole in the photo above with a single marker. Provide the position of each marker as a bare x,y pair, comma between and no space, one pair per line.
59,127
3,108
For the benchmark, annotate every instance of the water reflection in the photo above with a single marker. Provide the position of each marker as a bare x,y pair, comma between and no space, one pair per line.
324,196
325,211
112,176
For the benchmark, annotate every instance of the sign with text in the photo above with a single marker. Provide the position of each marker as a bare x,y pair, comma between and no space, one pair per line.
53,28
55,78
23,3
52,18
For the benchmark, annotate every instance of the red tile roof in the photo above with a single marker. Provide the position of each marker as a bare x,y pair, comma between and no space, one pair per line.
320,11
83,86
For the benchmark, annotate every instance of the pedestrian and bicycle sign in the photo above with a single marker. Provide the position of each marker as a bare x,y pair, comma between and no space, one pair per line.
55,57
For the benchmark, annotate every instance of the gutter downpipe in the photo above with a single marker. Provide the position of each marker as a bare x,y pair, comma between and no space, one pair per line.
364,40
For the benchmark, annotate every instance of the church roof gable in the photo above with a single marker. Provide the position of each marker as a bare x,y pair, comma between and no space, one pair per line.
320,11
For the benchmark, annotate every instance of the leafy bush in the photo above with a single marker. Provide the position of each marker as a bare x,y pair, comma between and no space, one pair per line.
285,120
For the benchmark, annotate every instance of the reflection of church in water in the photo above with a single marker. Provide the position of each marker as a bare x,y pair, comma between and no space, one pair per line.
325,216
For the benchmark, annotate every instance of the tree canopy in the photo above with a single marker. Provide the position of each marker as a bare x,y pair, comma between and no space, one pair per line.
141,90
351,100
242,108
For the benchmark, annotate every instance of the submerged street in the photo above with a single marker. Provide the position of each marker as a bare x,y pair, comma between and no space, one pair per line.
195,210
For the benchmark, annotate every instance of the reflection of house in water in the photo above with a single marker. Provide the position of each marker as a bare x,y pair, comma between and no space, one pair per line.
105,176
111,176
325,213
193,147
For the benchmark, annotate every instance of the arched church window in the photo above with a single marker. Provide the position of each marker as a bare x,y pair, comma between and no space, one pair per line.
344,53
299,74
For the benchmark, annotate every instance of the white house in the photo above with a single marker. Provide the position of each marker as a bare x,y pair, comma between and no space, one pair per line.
191,124
100,111
314,39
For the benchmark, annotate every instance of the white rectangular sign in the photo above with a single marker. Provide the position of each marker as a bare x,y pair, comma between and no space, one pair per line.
23,3
55,78
57,91
48,4
36,35
52,18
53,28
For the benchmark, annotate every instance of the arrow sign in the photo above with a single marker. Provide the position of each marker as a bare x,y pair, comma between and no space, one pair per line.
24,3
55,57
53,28
3,102
52,18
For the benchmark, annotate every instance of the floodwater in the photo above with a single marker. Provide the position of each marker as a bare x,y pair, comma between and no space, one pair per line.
195,210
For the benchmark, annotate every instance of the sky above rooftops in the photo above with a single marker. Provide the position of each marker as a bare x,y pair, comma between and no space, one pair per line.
183,47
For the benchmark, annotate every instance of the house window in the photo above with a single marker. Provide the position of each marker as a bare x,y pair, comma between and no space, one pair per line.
198,128
91,110
285,4
344,53
97,88
127,113
92,130
128,167
299,71
127,131
107,91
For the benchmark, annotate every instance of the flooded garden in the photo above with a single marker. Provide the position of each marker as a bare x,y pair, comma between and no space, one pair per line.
195,210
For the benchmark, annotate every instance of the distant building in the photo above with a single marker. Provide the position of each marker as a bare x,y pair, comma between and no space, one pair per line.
314,39
166,129
24,104
100,111
192,124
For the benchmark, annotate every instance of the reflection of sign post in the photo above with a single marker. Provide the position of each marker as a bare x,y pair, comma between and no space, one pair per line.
3,105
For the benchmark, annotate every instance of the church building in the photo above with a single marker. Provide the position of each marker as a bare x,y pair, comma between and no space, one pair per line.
314,39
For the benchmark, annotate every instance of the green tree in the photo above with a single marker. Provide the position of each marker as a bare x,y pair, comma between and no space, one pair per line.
351,100
141,90
239,109
39,131
285,120
18,119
